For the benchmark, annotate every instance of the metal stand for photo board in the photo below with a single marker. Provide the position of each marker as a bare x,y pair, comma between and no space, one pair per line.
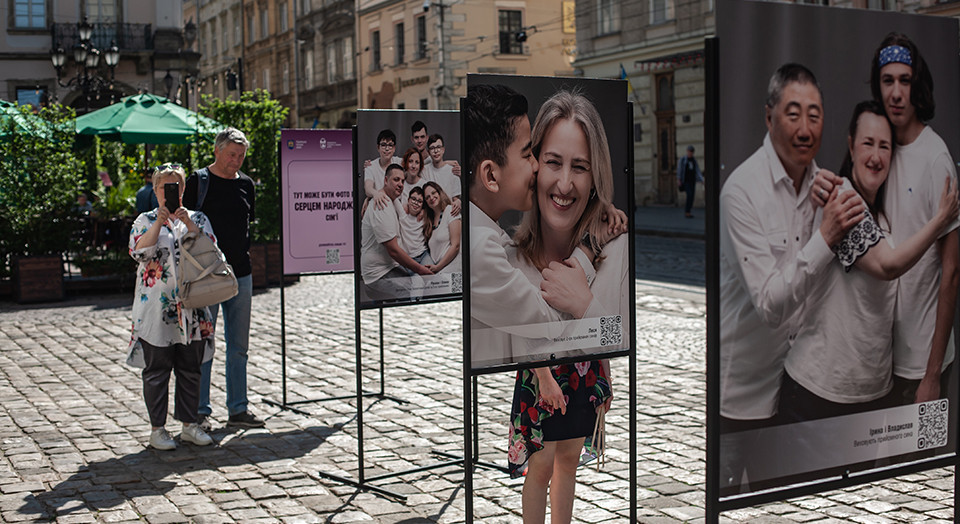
470,416
362,481
287,405
284,403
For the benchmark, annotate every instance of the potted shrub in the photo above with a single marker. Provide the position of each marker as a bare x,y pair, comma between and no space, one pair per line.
39,180
260,118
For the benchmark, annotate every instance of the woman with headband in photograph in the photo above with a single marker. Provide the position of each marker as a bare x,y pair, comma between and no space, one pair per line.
556,408
443,237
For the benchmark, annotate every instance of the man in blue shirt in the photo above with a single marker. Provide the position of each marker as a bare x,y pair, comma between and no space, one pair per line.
146,198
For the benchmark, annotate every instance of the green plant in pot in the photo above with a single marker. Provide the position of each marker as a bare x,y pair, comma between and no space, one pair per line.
39,180
260,118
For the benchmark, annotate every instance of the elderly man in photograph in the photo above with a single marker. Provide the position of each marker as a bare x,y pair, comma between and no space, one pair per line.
769,256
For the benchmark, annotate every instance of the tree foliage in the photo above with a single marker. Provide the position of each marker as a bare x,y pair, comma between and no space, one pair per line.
260,118
40,177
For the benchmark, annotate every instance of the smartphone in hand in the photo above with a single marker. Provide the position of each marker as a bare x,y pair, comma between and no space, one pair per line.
171,196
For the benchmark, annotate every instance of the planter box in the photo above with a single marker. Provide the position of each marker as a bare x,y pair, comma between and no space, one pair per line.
37,279
258,264
265,263
274,269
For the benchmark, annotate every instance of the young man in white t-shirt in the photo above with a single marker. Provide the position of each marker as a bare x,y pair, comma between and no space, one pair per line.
927,294
373,172
418,136
442,171
923,346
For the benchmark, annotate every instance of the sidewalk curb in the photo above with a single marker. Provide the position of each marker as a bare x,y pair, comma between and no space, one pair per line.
670,234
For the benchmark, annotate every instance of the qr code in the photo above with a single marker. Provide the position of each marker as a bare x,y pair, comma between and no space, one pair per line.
333,256
611,330
456,283
932,430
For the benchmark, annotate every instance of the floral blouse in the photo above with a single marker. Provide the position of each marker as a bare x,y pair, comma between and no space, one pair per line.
159,317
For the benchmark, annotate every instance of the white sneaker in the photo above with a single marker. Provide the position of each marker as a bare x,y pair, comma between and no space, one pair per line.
160,439
192,433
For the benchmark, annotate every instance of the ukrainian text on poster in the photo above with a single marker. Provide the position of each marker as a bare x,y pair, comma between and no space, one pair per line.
318,200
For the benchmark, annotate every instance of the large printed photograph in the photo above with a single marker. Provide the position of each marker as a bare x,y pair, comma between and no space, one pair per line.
547,163
838,248
409,206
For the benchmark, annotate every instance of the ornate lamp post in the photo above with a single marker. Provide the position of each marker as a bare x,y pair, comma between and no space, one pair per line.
86,58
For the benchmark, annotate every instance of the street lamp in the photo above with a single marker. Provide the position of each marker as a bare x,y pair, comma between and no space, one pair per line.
86,57
85,30
93,58
112,56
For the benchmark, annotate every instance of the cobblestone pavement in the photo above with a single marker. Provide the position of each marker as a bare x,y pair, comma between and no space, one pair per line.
73,427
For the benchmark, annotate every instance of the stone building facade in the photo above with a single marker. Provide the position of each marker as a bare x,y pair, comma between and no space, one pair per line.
148,34
415,54
658,46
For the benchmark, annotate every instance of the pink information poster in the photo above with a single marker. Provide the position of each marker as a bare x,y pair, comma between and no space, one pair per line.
317,200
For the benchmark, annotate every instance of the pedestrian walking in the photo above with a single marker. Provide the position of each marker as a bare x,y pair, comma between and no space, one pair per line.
688,174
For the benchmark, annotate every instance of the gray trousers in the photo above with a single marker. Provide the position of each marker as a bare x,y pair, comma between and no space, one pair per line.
184,360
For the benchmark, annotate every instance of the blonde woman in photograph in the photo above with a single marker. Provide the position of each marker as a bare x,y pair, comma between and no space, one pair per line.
443,237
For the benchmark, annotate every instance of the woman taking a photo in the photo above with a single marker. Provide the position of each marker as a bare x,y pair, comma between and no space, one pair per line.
166,336
556,408
443,237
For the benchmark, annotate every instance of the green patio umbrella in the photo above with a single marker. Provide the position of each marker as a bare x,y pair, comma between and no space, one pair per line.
146,119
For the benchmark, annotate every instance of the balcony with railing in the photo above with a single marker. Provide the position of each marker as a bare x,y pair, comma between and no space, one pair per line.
128,37
329,96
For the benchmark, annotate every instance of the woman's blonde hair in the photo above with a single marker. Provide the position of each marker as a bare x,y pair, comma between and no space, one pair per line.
166,170
567,105
444,202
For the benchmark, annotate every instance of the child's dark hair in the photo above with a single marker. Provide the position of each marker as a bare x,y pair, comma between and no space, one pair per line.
433,138
491,112
846,169
386,134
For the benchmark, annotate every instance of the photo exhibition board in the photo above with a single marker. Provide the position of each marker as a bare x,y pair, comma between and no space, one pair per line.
317,196
811,354
408,255
511,322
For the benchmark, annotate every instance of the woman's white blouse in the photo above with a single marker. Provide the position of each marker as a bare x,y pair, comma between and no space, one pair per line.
440,241
159,317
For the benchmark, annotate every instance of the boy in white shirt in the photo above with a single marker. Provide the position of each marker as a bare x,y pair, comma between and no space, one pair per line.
442,171
373,172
